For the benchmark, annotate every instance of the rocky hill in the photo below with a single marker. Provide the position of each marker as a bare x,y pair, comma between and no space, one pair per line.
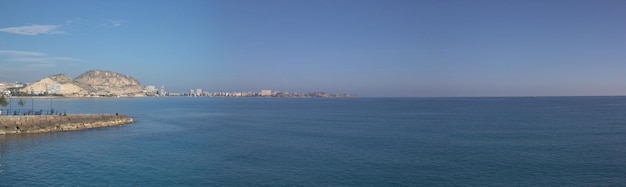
61,78
109,83
93,82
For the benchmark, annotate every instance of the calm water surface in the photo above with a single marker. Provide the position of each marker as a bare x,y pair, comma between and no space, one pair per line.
545,141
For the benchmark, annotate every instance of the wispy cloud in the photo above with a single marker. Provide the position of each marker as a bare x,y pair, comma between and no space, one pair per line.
33,30
33,59
37,29
42,59
75,21
113,23
20,53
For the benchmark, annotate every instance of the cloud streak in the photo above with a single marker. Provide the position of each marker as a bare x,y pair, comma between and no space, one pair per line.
33,30
33,59
42,59
36,29
113,23
20,53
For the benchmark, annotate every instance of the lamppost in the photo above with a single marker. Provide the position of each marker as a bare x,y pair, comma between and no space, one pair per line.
32,101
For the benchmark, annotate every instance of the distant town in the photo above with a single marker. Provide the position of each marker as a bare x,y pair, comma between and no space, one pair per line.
102,83
18,89
153,91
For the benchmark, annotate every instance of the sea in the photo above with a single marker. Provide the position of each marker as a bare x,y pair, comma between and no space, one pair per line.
201,141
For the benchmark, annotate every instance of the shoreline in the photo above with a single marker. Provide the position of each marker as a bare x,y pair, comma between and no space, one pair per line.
30,124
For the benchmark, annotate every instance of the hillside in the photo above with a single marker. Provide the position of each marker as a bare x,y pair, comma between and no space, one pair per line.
93,82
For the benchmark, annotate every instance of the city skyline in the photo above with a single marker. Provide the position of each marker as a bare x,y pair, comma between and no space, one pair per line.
369,48
152,90
49,87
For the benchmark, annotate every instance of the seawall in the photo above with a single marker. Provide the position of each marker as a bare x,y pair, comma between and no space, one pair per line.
55,123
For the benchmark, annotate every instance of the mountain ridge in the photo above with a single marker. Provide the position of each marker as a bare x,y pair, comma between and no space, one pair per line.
90,83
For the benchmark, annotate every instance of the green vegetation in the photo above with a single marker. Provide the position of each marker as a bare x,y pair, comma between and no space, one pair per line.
3,101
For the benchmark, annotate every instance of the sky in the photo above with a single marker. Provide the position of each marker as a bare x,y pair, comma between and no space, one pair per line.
372,48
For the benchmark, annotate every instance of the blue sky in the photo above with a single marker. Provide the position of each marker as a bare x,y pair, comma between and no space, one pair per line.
369,48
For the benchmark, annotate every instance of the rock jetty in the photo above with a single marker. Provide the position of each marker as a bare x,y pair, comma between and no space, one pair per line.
54,123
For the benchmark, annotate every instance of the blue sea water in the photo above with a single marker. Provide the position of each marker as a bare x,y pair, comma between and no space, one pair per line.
533,141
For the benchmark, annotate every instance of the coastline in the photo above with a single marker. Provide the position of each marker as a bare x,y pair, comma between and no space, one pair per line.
29,124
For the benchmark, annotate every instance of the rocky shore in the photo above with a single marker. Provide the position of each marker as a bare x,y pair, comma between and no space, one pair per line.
54,123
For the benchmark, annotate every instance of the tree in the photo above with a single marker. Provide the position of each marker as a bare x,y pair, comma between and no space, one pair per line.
3,101
21,103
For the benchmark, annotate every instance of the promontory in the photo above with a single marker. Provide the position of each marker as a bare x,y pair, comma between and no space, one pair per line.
92,82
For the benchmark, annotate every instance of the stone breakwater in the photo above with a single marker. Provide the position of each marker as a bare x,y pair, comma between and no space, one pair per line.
54,123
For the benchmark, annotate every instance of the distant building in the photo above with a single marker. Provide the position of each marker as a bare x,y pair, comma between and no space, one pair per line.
53,88
8,85
162,91
266,92
198,92
151,90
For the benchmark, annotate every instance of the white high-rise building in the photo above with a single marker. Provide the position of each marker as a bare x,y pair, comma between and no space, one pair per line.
266,92
150,90
162,91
